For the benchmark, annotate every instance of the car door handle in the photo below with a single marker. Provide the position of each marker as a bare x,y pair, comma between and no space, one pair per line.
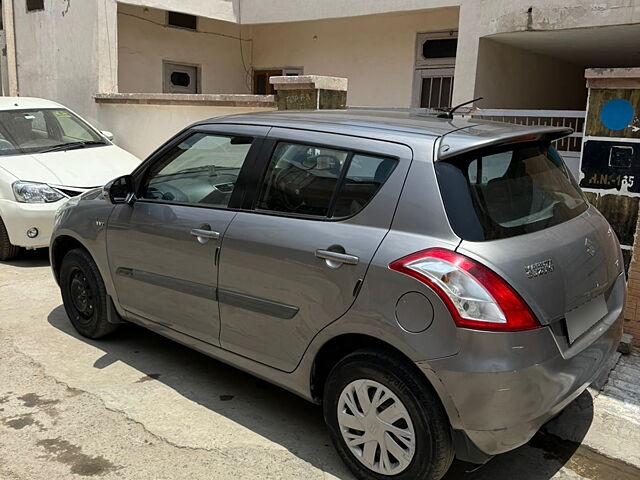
203,236
337,257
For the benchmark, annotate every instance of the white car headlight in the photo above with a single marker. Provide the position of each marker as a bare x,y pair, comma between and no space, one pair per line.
30,192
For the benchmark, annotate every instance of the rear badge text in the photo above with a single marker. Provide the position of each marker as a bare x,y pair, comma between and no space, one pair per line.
539,268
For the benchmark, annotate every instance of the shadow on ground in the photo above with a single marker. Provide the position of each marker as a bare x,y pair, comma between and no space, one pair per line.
284,418
30,259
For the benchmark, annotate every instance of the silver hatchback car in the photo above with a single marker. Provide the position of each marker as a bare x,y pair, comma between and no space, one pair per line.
440,286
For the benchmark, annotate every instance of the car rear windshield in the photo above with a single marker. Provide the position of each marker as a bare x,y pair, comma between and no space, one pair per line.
507,191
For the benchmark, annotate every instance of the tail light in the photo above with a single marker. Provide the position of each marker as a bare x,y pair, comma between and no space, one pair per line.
476,296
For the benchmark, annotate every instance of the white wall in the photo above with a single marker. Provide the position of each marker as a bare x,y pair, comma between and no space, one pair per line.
488,17
376,53
63,52
70,51
141,129
509,77
271,11
144,42
478,18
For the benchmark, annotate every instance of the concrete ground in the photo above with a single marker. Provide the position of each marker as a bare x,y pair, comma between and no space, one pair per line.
138,406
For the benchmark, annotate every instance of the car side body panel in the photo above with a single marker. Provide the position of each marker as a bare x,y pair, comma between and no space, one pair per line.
269,260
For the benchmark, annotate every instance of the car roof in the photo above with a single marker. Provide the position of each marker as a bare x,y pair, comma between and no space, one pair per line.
18,103
459,134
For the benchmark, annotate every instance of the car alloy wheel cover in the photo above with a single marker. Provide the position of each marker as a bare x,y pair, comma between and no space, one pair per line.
376,427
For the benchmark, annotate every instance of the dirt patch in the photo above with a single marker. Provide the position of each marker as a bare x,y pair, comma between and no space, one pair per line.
81,464
34,400
18,423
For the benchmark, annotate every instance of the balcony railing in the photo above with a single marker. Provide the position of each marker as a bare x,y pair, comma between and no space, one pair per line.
562,118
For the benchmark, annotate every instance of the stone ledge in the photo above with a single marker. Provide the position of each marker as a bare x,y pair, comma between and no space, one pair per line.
309,82
608,78
631,72
197,100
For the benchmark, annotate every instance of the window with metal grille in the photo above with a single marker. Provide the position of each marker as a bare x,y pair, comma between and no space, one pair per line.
436,92
182,20
33,5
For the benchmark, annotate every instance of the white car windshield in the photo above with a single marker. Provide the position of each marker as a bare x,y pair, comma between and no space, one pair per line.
44,130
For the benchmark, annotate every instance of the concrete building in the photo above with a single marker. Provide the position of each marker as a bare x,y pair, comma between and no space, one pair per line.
395,53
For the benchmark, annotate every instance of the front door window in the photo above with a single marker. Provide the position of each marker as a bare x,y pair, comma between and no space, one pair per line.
202,169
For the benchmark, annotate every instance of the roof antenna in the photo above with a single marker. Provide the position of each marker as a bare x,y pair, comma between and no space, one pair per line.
449,112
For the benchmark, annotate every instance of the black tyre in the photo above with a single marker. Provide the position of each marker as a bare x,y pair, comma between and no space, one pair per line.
84,295
395,424
7,250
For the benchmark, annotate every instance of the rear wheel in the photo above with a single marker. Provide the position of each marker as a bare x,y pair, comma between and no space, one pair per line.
385,421
7,250
84,295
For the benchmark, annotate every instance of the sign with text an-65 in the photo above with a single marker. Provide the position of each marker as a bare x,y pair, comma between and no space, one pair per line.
610,165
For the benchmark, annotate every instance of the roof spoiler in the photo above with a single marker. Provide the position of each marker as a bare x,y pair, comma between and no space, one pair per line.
476,137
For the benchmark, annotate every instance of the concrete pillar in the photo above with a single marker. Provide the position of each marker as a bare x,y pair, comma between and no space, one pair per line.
11,78
310,92
107,46
610,167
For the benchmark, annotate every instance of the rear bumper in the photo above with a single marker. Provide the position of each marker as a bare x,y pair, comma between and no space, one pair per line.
501,388
19,217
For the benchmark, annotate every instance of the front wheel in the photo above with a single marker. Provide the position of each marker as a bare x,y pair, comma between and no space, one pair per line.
84,295
385,421
7,250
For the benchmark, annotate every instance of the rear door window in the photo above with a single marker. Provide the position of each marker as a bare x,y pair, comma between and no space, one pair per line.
301,179
365,176
319,181
500,193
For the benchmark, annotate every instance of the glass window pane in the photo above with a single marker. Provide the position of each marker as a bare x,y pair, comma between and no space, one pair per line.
426,93
445,93
33,5
261,84
180,79
512,191
34,131
182,20
435,93
440,48
365,176
301,179
203,169
72,128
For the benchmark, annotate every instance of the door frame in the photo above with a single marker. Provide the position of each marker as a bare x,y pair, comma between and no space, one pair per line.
422,65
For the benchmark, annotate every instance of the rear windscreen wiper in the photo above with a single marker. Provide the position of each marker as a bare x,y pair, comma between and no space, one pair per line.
72,146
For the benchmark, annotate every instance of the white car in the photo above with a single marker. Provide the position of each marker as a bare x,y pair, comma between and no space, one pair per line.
47,155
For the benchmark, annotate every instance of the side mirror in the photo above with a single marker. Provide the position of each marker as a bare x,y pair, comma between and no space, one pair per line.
120,190
107,135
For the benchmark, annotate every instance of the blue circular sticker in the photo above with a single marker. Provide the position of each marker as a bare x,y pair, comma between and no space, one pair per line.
616,114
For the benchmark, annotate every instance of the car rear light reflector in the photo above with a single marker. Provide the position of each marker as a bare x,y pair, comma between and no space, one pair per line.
476,296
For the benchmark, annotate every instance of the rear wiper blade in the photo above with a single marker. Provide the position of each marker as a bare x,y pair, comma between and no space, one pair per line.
72,146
